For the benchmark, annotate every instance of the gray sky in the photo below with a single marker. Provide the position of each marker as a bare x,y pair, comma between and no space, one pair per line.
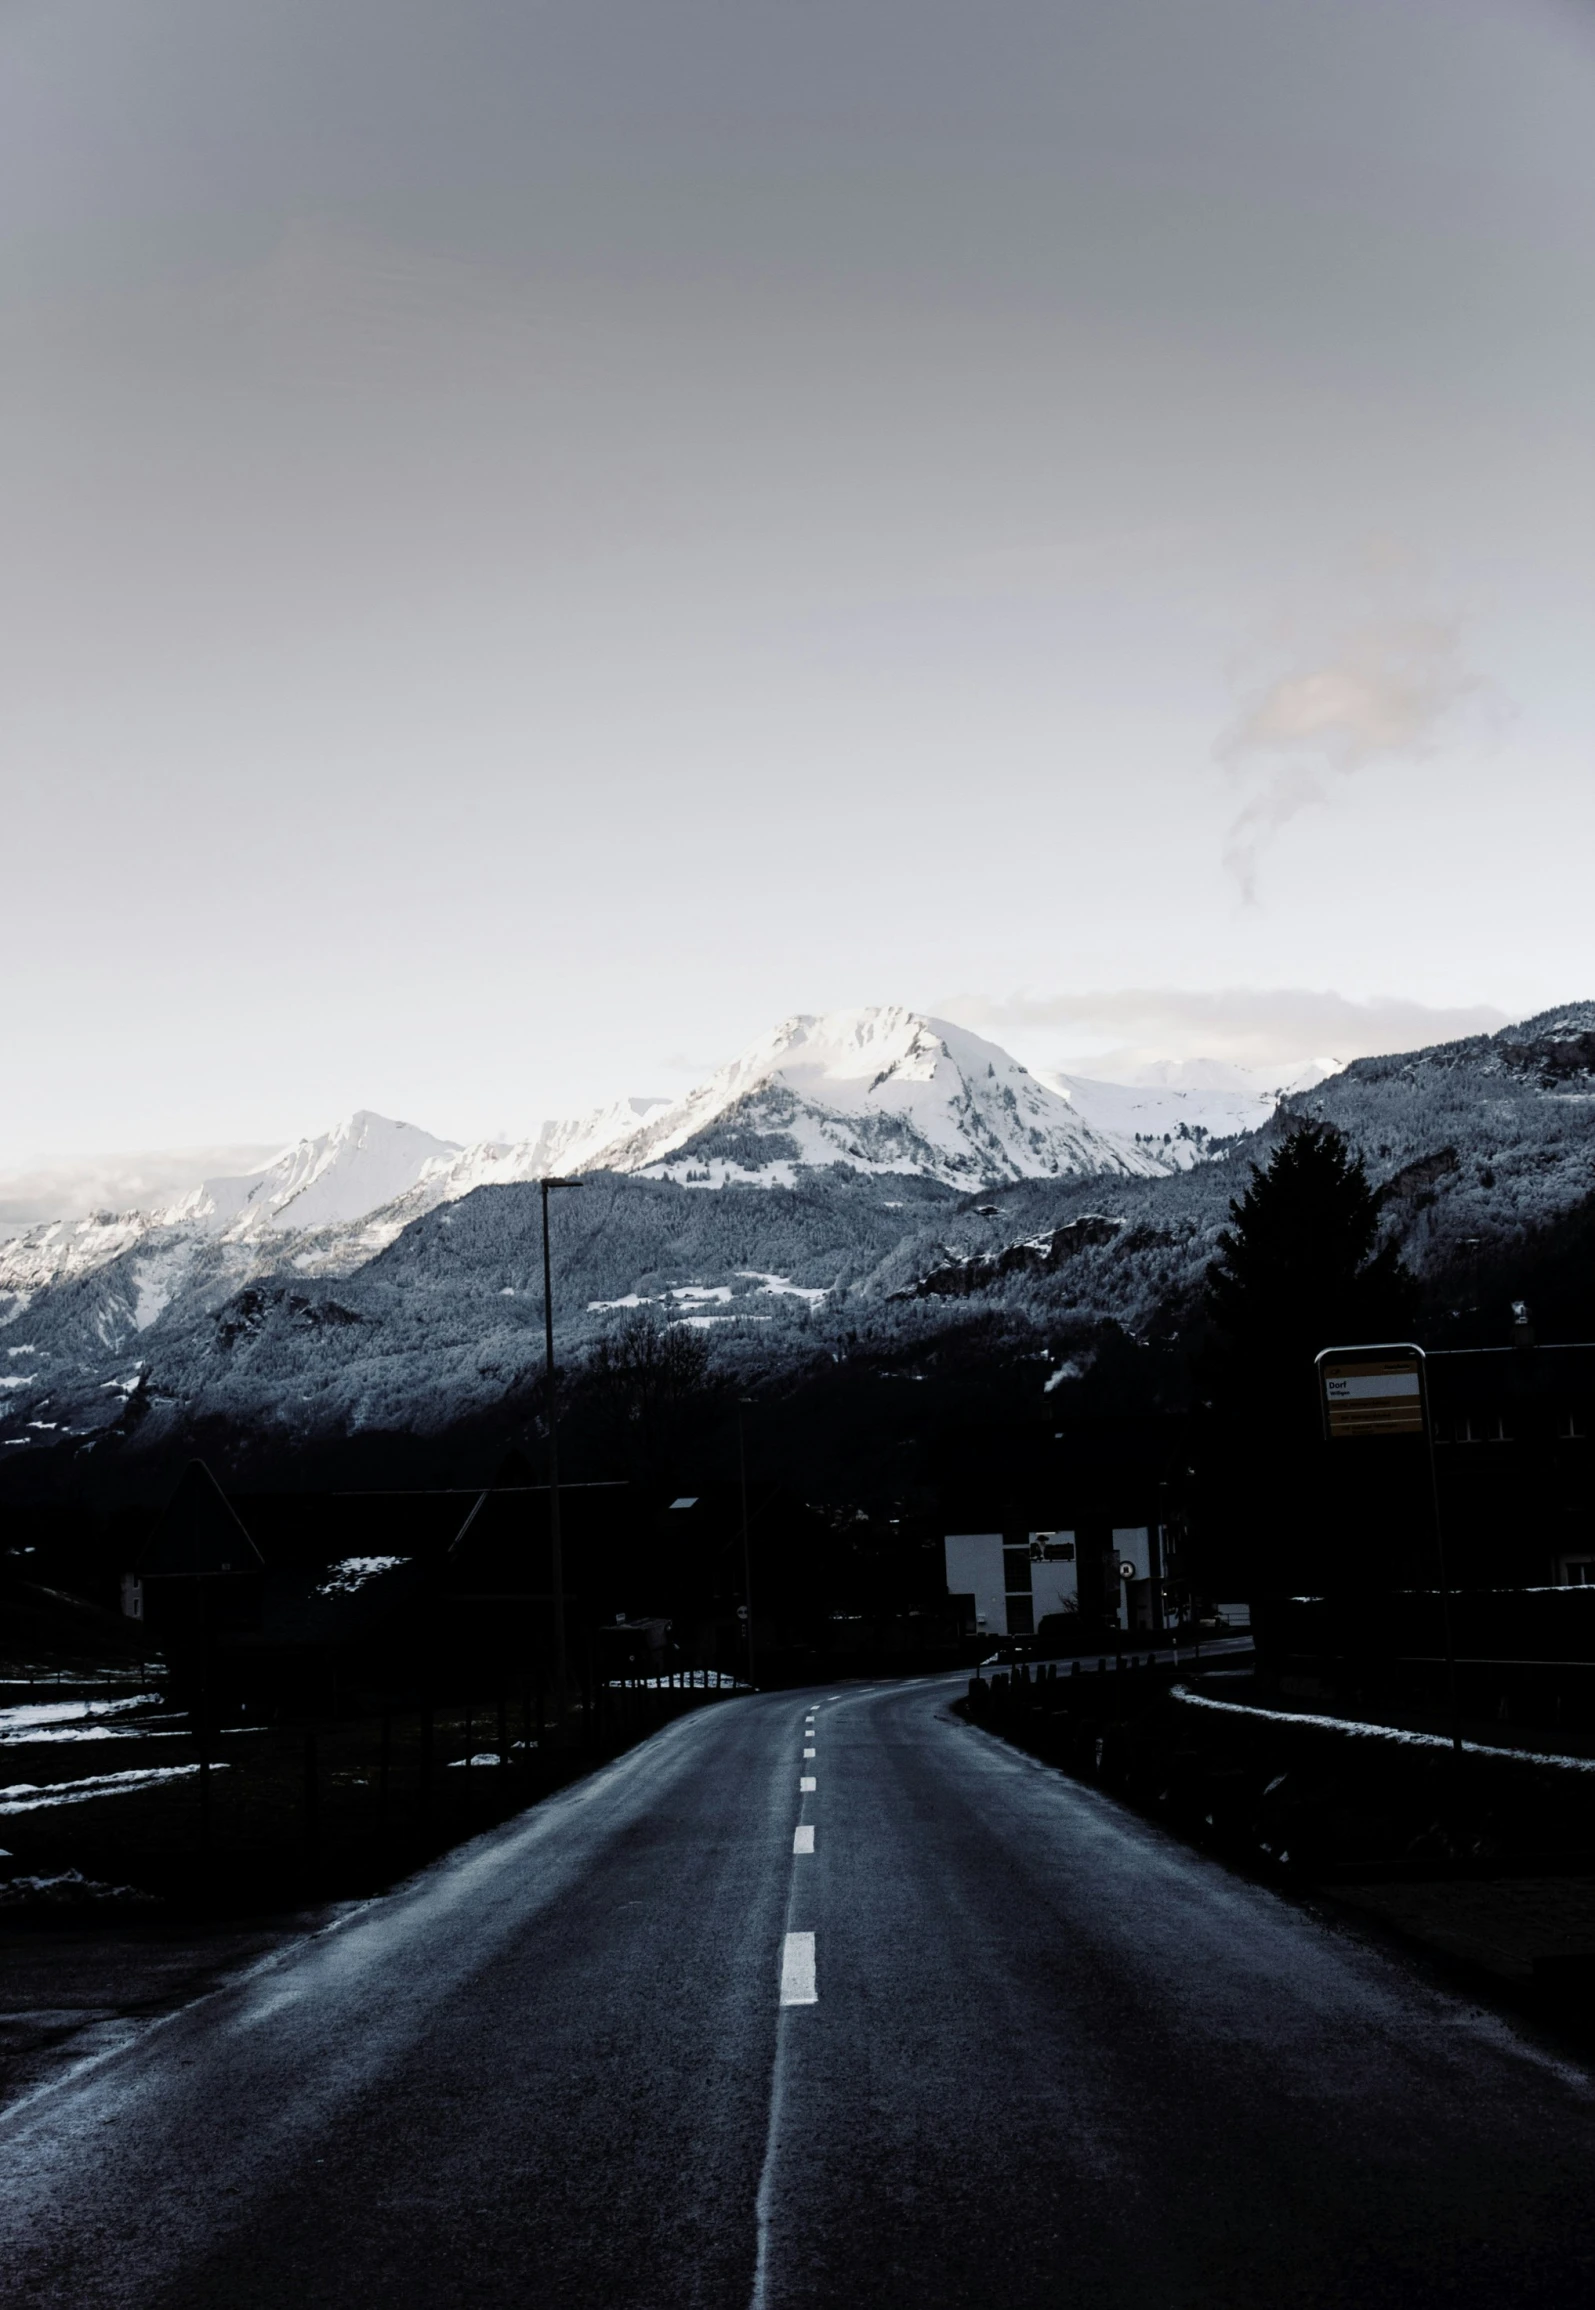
541,538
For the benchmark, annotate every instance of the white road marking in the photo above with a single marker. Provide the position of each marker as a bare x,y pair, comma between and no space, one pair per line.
808,1752
803,1838
797,1971
807,1785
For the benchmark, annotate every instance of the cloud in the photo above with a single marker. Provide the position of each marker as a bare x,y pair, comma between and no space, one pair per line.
1384,690
1254,1026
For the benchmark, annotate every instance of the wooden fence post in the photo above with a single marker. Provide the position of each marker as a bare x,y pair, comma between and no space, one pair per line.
312,1798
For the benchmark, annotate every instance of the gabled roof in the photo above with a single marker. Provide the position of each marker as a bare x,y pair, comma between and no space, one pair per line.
199,1536
503,1548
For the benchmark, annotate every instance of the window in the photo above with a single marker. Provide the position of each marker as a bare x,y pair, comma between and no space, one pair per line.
1483,1428
1578,1571
1016,1570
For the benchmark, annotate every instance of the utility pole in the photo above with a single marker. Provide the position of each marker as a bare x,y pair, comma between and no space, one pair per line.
555,1542
747,1557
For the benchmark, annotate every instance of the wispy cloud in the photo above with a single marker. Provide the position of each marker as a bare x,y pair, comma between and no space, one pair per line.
1383,690
1248,1025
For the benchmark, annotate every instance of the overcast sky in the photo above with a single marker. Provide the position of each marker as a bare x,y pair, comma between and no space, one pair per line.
540,538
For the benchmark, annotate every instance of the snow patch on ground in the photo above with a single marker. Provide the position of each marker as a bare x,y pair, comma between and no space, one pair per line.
34,1796
19,1721
716,1171
782,1286
352,1572
70,1889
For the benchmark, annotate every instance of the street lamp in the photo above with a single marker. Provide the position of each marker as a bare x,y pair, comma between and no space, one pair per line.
555,1546
747,1559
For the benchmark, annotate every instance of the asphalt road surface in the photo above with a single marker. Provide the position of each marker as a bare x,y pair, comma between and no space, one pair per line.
992,2041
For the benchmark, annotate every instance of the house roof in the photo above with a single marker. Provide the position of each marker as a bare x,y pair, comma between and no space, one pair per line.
200,1535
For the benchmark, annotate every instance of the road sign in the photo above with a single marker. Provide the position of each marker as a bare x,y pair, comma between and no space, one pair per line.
1381,1390
1373,1391
1127,1570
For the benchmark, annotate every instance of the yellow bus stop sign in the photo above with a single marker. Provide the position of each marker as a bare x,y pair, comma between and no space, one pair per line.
1373,1391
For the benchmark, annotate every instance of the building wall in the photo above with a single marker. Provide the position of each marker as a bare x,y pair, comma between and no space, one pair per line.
1016,1578
1136,1570
974,1567
1054,1574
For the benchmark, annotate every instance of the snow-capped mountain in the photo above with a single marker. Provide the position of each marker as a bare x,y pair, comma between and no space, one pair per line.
864,1134
883,1090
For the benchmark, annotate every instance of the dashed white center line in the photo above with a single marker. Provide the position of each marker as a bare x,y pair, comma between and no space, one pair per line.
808,1752
807,1785
797,1970
803,1838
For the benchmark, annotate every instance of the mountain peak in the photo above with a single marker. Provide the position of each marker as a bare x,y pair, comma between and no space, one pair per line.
882,1088
363,1162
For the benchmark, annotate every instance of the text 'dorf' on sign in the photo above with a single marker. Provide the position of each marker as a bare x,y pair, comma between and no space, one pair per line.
1373,1391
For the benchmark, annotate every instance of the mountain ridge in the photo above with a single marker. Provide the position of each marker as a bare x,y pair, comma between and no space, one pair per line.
412,1323
347,1192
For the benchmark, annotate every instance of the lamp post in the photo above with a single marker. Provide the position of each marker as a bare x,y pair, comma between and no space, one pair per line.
747,1558
555,1544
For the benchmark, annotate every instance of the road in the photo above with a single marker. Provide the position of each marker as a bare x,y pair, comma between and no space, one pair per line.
1039,2054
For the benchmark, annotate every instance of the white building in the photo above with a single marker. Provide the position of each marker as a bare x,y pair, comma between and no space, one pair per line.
1017,1578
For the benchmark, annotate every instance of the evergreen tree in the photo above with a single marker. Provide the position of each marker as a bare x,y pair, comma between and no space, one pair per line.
1301,1267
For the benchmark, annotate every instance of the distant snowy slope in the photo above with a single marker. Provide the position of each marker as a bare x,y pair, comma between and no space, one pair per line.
1183,1109
884,1090
61,1248
577,1145
328,1182
1179,1125
1270,1083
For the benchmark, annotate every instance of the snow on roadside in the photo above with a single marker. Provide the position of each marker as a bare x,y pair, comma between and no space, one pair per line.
1395,1735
